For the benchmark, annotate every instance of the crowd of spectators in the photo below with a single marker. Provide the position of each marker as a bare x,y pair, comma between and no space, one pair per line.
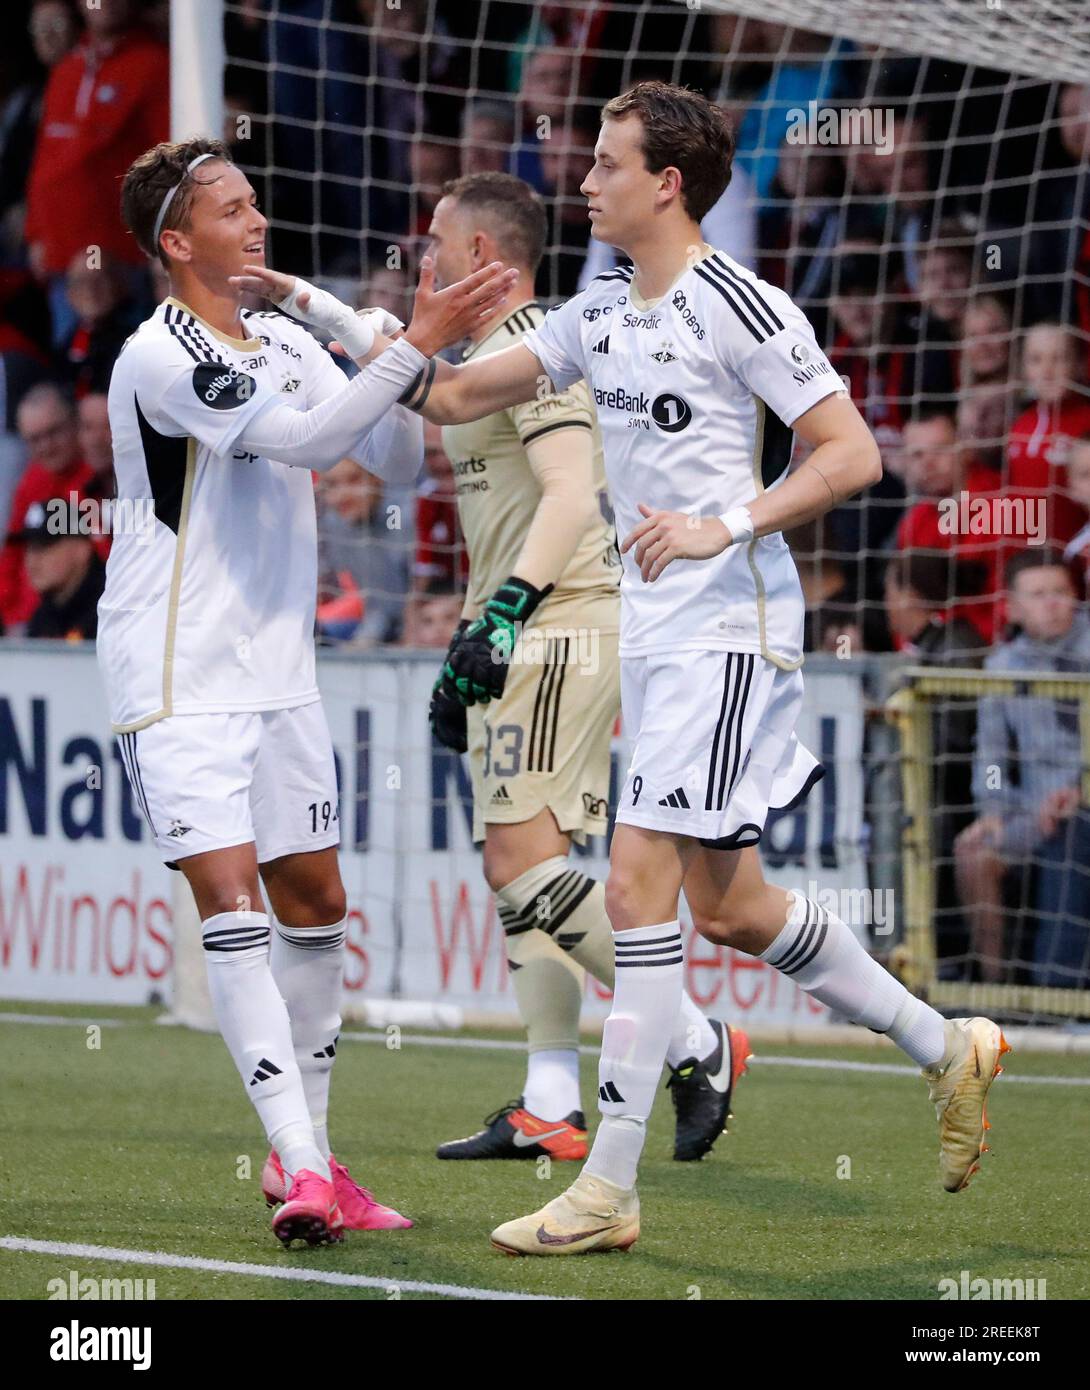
945,263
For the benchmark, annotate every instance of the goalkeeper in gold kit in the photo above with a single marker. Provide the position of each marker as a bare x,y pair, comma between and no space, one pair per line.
531,687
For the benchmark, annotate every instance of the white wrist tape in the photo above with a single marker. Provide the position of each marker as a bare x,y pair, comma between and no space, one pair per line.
382,321
739,523
326,311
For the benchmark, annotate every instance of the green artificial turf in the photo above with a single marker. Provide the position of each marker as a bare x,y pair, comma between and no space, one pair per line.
137,1144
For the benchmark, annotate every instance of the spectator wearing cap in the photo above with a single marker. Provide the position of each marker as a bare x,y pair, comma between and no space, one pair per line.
67,575
105,103
47,424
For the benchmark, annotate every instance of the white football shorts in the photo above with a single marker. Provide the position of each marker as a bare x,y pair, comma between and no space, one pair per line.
210,781
713,745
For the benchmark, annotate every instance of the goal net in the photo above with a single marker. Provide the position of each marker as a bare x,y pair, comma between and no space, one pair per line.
915,176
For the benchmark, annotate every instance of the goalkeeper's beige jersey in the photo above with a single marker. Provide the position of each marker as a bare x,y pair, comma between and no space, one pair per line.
498,493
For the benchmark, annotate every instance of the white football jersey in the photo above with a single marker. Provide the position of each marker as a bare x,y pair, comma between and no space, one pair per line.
696,396
209,608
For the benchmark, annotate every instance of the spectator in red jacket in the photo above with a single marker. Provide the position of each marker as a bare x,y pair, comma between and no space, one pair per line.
105,103
951,496
1041,436
47,423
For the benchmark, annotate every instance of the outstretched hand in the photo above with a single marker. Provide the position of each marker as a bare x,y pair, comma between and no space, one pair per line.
443,317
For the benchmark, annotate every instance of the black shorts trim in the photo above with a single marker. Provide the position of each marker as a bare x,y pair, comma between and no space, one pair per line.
752,833
735,841
808,786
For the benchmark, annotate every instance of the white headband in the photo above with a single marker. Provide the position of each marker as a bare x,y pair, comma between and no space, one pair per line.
170,194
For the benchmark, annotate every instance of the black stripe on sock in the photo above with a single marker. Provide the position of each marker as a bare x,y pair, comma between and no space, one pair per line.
641,964
653,951
789,949
799,965
802,941
651,941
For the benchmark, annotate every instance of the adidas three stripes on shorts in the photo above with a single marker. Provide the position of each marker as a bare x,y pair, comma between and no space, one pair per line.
713,744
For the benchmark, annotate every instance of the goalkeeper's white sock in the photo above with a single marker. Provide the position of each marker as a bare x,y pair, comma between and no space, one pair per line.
552,1083
253,1020
308,967
821,954
636,1035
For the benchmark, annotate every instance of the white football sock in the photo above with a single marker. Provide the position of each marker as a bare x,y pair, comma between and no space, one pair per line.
693,1035
636,1035
308,967
253,1020
552,1083
821,954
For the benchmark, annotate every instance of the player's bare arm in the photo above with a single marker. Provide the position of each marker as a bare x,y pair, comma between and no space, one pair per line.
845,460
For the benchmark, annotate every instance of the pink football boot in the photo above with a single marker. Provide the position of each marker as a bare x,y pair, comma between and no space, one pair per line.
310,1213
359,1209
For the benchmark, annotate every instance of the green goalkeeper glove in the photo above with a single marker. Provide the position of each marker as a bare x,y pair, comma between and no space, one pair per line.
478,664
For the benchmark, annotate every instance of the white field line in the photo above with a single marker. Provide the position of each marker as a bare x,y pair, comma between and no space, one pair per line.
588,1049
159,1259
814,1063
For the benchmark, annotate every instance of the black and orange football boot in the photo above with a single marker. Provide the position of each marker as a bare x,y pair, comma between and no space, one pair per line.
512,1132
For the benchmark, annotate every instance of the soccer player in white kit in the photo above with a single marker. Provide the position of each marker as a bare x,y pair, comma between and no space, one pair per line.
700,372
206,631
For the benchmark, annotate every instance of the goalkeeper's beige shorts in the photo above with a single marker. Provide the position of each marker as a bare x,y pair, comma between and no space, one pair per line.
546,741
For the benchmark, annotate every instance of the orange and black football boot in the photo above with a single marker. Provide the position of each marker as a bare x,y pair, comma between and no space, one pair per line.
512,1132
